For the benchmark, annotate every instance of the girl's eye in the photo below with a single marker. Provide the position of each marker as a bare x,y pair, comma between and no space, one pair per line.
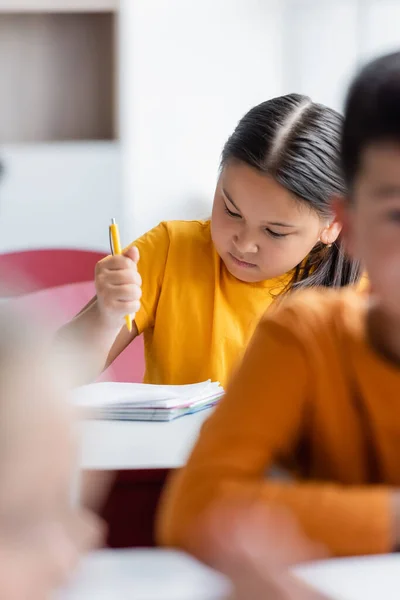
274,234
232,214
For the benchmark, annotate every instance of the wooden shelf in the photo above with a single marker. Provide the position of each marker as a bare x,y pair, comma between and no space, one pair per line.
58,74
54,6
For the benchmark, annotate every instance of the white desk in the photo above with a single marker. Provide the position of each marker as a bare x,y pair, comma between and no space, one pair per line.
145,575
118,445
168,575
365,578
142,453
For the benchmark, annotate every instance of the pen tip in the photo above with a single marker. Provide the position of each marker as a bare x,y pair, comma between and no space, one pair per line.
112,221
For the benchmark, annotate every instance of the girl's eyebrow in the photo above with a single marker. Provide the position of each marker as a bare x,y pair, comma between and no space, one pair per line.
275,223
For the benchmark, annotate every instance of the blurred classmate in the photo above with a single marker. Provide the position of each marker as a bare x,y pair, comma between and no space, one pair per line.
318,391
41,534
206,284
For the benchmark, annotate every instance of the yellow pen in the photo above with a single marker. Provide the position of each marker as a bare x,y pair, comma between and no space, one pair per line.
115,245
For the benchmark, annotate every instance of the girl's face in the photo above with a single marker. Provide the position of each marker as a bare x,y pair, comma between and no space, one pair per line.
261,230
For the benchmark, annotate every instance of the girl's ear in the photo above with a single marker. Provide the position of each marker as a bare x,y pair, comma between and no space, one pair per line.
342,211
331,232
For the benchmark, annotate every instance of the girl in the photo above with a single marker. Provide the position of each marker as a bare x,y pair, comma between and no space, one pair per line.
319,388
206,284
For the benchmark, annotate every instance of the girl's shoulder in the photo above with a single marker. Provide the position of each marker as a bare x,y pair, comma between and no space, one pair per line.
188,230
188,238
176,243
171,235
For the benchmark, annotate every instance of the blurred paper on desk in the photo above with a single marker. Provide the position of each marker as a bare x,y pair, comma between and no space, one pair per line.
142,402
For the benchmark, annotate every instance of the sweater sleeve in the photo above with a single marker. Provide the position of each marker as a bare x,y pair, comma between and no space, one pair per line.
261,418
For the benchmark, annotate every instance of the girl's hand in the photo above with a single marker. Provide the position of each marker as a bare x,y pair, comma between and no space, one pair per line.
118,287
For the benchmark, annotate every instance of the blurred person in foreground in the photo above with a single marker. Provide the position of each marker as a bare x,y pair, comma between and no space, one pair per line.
41,533
318,391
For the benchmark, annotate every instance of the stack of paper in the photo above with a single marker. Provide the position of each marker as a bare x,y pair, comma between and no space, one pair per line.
142,402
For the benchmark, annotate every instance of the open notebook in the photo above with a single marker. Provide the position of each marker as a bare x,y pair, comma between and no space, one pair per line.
142,402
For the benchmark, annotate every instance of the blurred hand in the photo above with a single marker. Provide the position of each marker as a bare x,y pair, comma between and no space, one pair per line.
87,531
253,545
118,287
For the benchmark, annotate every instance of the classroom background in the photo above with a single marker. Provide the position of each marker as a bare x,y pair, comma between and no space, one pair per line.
120,108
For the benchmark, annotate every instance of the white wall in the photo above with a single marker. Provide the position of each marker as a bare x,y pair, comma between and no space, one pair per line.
327,40
59,195
381,27
322,39
190,70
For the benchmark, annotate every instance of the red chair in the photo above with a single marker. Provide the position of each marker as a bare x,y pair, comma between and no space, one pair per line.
55,285
32,270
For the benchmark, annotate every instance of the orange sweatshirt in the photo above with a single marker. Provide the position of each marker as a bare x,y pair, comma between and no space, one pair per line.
313,397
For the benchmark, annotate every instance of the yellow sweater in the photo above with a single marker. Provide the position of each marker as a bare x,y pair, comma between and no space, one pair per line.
197,318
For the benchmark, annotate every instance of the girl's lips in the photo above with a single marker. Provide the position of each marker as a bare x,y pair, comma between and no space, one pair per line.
241,263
